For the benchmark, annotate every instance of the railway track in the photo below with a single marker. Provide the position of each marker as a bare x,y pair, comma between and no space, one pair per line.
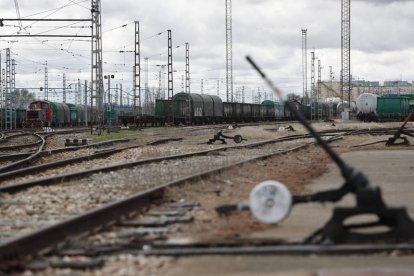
15,250
105,215
58,178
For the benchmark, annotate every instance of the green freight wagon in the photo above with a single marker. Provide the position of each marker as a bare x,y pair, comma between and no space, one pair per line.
392,108
73,111
111,116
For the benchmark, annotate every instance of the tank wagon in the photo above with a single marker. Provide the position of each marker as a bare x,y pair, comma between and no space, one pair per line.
366,105
371,107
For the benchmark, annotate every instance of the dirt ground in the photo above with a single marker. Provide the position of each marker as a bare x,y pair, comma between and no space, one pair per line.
296,170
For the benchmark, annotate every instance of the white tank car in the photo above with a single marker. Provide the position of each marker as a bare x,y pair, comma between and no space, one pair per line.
340,107
366,103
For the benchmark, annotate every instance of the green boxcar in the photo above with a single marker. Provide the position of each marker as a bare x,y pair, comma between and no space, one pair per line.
73,114
411,101
110,116
393,108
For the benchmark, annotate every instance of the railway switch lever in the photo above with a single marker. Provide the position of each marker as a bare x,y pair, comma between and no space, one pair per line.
219,136
270,196
392,140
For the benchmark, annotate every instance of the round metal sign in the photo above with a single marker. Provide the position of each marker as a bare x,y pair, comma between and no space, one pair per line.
270,202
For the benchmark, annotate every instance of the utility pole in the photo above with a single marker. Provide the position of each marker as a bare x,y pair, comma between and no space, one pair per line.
159,85
170,67
202,86
7,95
146,93
305,66
46,85
318,98
346,51
85,91
218,88
64,87
116,94
96,64
313,88
330,80
137,71
229,53
187,80
121,102
13,90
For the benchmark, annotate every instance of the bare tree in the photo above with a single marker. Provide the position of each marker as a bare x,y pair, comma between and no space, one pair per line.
21,98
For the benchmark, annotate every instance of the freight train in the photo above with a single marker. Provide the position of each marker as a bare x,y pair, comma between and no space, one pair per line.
45,113
203,109
371,107
195,108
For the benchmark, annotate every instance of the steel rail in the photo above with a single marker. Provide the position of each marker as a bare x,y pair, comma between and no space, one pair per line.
57,179
285,249
7,148
20,249
22,163
28,159
54,164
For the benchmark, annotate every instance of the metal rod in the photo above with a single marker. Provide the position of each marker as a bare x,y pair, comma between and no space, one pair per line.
346,170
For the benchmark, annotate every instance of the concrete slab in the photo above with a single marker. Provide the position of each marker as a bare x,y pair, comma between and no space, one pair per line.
393,171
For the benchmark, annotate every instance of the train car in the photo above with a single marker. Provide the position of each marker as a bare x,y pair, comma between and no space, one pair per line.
267,110
366,107
45,113
232,112
255,115
74,118
39,114
197,108
60,114
287,114
393,108
12,117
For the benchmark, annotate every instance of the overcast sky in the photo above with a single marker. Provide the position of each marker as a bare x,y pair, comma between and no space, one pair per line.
269,30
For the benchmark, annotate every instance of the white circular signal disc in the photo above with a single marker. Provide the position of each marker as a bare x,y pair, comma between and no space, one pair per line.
270,202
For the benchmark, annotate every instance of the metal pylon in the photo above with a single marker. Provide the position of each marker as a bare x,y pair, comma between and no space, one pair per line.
229,53
137,71
346,51
187,80
170,67
64,87
313,88
318,97
8,108
305,66
46,93
96,72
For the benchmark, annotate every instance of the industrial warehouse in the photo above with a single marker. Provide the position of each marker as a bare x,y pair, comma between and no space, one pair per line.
206,137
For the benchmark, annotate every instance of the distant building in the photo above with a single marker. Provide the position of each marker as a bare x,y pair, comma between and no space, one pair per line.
397,83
